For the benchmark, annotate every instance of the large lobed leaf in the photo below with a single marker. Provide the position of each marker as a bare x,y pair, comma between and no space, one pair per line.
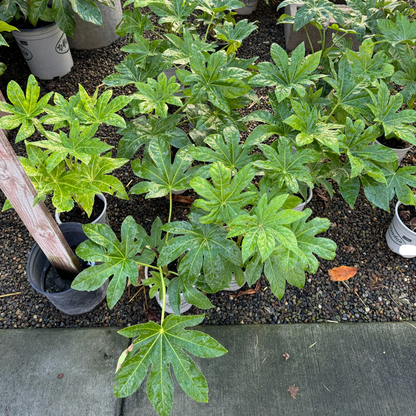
162,346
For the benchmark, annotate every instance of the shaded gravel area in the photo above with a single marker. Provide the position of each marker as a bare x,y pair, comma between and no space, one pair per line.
382,290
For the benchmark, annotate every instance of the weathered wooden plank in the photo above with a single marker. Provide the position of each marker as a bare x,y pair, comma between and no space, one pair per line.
21,193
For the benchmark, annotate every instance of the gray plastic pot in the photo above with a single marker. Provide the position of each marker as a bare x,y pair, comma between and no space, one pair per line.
70,302
102,219
250,7
90,36
398,236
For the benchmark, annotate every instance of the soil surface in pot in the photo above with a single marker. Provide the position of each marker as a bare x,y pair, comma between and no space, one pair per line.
407,214
393,143
25,24
78,215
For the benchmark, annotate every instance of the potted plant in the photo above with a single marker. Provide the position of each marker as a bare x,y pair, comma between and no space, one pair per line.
43,30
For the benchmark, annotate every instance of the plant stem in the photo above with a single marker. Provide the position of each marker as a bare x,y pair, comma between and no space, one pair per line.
309,39
239,239
163,295
170,212
209,25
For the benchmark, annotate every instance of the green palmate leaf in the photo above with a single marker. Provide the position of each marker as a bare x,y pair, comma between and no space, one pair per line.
362,157
317,11
81,144
285,169
274,124
235,34
175,12
142,131
265,228
3,67
62,15
163,175
182,47
87,10
401,31
162,346
98,111
385,109
225,198
376,192
225,148
62,114
307,122
206,248
5,27
214,80
63,184
133,22
218,6
156,95
143,50
96,173
119,259
288,76
349,188
399,181
128,71
210,120
8,9
349,92
309,245
406,77
23,108
368,66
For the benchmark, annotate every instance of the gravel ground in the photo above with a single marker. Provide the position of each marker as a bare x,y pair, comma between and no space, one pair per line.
382,290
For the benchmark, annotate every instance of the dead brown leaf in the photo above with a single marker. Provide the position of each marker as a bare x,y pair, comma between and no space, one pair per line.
322,194
339,274
294,391
286,355
181,199
249,291
60,375
413,224
375,282
349,249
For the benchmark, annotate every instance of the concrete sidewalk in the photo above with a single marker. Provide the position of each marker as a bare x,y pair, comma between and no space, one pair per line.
340,369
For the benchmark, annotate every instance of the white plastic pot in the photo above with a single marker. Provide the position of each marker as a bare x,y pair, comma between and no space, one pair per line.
401,153
102,219
90,36
250,6
46,51
302,206
184,305
233,285
399,235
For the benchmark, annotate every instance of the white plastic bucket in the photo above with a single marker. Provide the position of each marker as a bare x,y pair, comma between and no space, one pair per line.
183,307
399,235
401,153
46,51
102,219
90,36
250,6
302,206
233,285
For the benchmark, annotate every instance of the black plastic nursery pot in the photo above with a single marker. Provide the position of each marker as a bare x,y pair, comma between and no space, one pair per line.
71,302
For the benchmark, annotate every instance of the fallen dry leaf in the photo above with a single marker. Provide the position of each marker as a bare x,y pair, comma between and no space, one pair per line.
349,249
181,199
294,391
339,274
321,193
286,355
249,291
60,375
152,316
375,281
